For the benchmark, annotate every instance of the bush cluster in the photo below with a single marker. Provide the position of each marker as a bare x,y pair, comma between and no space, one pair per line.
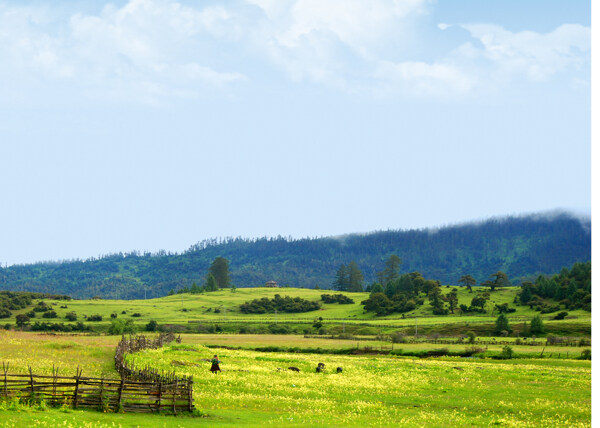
336,298
37,326
280,304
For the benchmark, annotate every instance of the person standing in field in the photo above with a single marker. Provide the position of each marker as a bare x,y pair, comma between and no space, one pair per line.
215,365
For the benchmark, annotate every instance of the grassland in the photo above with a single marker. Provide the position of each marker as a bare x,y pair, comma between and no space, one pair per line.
371,390
190,310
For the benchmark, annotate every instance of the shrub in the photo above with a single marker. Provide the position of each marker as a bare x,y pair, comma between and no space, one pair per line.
537,326
21,320
279,329
119,327
472,350
561,315
49,314
280,304
30,314
586,354
151,326
584,342
71,316
94,318
471,337
5,313
398,338
137,315
336,298
507,353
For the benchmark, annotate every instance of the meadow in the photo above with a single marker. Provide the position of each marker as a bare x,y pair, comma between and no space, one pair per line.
256,389
191,311
384,385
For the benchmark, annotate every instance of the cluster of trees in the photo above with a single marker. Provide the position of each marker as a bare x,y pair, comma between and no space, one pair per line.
217,278
336,298
521,247
43,326
402,293
571,288
279,304
349,278
534,328
16,300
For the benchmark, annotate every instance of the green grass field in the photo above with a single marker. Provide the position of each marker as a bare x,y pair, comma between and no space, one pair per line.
543,386
371,390
190,309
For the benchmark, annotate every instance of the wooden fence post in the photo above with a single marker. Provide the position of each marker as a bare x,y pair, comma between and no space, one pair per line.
101,391
54,376
174,397
76,395
31,381
120,393
5,368
159,393
189,387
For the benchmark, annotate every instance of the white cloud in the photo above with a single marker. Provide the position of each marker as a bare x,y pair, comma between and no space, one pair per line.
537,56
156,48
146,47
332,41
420,78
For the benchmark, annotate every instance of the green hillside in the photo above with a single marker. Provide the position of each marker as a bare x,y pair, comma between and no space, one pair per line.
220,311
523,247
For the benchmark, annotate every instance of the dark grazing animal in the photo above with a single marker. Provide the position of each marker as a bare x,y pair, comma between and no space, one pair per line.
320,367
294,369
339,369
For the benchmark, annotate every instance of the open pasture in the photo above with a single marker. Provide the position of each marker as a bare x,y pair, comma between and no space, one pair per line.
381,391
222,307
371,390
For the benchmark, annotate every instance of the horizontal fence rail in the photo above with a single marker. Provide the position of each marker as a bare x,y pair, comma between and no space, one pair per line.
97,393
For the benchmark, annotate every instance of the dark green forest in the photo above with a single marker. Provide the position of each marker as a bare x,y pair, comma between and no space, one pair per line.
522,247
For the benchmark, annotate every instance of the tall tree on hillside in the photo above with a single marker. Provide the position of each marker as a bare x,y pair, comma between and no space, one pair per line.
499,279
355,277
342,280
468,281
219,268
452,299
391,271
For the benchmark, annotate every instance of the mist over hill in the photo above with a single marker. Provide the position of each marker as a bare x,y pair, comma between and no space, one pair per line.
522,246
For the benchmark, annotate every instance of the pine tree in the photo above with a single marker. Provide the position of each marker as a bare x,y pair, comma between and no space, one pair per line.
341,282
537,326
502,325
391,271
219,268
355,277
211,283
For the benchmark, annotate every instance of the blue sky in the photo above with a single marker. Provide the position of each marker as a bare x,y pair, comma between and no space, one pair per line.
154,124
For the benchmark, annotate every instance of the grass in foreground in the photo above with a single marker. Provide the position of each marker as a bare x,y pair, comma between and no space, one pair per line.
371,390
382,391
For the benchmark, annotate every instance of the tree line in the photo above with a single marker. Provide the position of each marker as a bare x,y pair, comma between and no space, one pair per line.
522,247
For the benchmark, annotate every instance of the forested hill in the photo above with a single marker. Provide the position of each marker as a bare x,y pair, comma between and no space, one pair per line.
520,246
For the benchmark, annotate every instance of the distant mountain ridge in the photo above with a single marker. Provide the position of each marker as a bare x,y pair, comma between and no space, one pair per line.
522,246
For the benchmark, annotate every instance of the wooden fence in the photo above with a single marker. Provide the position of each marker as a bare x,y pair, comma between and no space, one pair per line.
138,390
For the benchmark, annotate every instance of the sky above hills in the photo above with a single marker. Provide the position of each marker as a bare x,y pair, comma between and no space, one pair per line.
151,124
